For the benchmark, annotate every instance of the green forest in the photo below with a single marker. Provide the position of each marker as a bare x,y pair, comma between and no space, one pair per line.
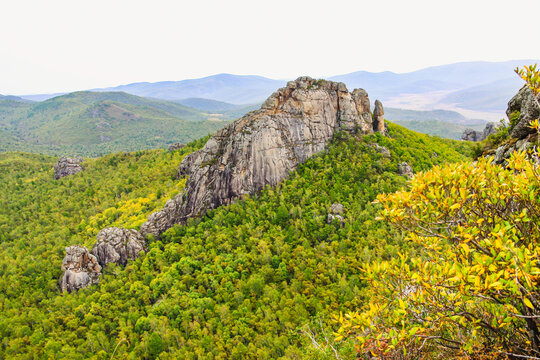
260,279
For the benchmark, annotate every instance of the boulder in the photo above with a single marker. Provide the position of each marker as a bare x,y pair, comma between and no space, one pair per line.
175,146
405,169
473,135
262,147
470,135
337,208
67,166
117,245
80,268
335,213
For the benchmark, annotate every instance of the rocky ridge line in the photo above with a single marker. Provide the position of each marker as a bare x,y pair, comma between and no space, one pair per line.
262,147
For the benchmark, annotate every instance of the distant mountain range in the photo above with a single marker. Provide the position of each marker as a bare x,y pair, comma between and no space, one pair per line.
475,89
440,100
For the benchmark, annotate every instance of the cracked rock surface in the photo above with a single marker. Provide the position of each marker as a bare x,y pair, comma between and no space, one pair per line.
67,166
118,245
80,268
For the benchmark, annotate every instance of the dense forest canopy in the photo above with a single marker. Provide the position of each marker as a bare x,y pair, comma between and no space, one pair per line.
242,282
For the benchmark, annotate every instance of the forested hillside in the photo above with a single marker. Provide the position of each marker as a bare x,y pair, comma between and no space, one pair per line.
241,282
96,123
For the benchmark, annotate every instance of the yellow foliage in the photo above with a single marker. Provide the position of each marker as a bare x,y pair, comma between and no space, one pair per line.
475,287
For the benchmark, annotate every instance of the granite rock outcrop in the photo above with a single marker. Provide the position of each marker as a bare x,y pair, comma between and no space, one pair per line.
67,166
405,169
80,268
261,148
118,245
474,135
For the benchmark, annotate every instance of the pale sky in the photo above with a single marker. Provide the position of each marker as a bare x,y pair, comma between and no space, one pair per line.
58,46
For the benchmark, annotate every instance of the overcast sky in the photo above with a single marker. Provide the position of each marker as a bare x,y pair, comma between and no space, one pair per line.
57,46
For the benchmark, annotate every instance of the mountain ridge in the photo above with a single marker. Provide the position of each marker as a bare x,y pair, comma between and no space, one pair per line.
385,85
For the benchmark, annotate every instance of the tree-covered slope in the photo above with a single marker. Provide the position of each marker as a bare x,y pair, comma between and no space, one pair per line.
95,123
240,282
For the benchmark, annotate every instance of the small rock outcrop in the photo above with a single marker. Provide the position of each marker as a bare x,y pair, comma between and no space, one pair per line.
175,146
405,169
67,166
471,135
474,135
522,109
117,245
378,119
262,147
335,213
80,268
383,150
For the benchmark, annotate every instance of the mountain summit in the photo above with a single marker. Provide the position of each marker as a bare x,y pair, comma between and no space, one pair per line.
262,147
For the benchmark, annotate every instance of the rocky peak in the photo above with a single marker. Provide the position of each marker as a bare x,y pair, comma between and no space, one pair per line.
118,245
80,268
262,147
67,166
378,119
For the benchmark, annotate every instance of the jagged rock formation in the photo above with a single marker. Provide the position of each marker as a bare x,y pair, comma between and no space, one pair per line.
473,135
335,213
528,108
175,146
80,268
522,109
67,166
491,128
378,119
262,147
118,245
405,169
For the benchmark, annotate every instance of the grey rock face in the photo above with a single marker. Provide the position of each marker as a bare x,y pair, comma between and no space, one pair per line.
378,118
405,169
529,110
520,130
262,147
176,146
80,268
473,135
118,245
67,166
470,135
